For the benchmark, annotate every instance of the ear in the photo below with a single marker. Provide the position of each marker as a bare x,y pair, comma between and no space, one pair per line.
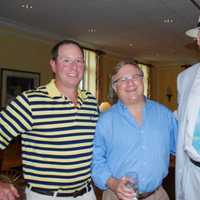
53,65
114,88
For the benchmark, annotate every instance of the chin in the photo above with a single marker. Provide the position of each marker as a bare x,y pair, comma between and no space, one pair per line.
135,100
74,81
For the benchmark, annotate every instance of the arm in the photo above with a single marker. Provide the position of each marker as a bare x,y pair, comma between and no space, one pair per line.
14,120
101,173
100,169
7,190
173,135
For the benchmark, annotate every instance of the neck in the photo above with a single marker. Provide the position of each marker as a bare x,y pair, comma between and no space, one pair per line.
136,104
136,109
69,92
72,95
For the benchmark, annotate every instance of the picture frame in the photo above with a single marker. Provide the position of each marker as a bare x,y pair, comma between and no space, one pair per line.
14,82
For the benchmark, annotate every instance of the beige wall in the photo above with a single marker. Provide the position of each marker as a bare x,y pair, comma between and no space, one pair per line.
161,78
106,65
25,52
22,51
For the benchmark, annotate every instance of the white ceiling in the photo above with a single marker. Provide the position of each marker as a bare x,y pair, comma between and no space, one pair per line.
118,23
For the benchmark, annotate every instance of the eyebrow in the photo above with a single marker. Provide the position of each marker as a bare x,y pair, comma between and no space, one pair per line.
71,57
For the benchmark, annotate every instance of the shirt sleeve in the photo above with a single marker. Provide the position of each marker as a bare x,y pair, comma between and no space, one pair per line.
15,119
173,134
100,169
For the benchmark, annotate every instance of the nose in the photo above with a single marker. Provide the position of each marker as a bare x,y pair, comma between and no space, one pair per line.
130,82
74,62
74,65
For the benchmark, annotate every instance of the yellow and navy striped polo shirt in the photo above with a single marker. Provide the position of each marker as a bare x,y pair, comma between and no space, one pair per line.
57,137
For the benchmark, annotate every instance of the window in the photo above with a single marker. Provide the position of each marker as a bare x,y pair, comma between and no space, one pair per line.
146,71
89,80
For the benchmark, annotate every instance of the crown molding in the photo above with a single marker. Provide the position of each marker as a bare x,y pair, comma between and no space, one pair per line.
31,31
47,37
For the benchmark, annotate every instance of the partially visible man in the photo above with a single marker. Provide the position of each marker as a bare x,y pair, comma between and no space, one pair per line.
135,135
188,143
57,124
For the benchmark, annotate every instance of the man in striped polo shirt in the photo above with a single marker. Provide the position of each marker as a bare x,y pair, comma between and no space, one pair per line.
56,123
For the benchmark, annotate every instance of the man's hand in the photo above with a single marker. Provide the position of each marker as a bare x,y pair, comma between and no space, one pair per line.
118,186
8,191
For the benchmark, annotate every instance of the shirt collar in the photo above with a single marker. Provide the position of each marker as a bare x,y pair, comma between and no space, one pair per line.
54,92
52,89
123,107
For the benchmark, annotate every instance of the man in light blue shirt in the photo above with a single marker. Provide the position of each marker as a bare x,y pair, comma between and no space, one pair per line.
136,134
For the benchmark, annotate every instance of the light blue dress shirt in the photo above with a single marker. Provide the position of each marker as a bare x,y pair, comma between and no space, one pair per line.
121,145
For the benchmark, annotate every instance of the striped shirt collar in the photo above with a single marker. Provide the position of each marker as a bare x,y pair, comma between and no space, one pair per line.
54,92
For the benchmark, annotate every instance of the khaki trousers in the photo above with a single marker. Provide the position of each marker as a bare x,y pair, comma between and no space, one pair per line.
159,194
30,195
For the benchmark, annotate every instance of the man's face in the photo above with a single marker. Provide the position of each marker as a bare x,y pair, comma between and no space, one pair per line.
68,66
128,84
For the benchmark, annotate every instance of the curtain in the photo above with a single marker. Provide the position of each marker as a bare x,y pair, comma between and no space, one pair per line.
146,71
89,80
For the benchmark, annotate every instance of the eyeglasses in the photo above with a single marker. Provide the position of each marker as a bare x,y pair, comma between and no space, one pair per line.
125,79
69,61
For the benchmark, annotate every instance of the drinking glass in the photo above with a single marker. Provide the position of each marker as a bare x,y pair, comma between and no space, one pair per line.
133,183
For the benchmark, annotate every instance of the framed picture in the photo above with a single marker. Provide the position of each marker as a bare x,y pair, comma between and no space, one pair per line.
13,82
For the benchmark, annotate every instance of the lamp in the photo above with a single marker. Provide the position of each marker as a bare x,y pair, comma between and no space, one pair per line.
104,106
169,93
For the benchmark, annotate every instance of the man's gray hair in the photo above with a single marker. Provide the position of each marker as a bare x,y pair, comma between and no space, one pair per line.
125,62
